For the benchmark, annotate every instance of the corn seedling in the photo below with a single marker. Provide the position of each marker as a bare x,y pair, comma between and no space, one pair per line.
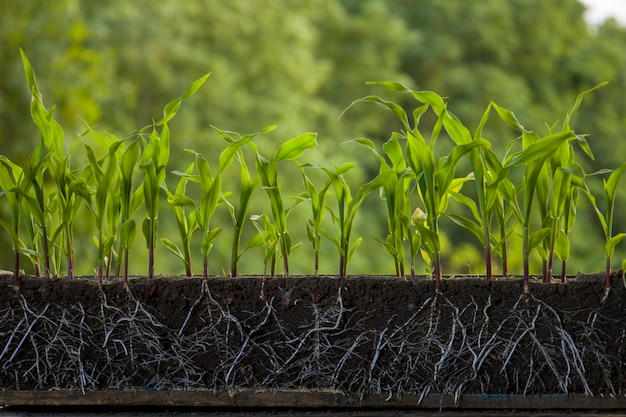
486,169
247,186
505,206
434,179
534,155
211,187
268,238
568,181
211,193
606,220
154,160
187,223
71,187
345,213
36,212
317,202
71,192
130,201
10,178
105,177
267,171
396,192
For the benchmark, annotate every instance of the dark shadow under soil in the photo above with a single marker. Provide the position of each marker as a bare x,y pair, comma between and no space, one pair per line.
362,334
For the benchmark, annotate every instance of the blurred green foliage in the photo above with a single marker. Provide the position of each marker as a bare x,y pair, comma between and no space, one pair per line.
298,64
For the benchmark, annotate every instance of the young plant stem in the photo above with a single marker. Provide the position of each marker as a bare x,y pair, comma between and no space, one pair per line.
16,269
437,271
151,248
70,252
46,253
125,267
505,261
525,259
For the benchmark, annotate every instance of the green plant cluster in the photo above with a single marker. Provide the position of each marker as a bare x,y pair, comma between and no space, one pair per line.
295,64
127,175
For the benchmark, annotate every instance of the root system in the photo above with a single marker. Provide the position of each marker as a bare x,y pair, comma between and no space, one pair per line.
358,335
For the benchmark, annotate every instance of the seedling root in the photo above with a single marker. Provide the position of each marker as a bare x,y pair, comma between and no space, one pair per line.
439,347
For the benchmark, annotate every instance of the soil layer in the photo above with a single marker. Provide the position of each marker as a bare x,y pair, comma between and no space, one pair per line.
360,335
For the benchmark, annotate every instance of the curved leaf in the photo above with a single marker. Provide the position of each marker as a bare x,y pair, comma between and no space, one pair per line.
294,147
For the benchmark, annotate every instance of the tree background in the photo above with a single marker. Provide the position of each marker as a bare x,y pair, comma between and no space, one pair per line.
298,64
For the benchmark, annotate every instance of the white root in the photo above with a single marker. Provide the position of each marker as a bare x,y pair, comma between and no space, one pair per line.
439,347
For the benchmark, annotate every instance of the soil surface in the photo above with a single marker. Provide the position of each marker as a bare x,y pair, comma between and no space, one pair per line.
362,334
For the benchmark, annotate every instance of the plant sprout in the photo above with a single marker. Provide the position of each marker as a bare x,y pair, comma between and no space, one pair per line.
268,174
396,192
247,186
154,162
317,202
568,179
105,174
434,179
211,187
10,175
534,155
267,237
37,207
606,220
130,201
71,187
347,208
186,223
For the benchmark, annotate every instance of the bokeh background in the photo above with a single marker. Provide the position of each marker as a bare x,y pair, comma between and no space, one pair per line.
298,64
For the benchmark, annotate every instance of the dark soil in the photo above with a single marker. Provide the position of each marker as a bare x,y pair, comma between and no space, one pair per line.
363,334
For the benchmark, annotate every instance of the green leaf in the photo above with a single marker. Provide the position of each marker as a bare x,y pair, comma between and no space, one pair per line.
611,184
467,202
354,247
609,246
129,161
388,105
537,238
369,144
147,228
562,246
393,150
180,200
539,150
579,99
561,187
209,238
127,234
209,202
391,85
431,98
456,130
30,74
430,238
446,170
172,107
174,249
294,147
389,248
10,229
509,118
469,225
228,155
256,241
